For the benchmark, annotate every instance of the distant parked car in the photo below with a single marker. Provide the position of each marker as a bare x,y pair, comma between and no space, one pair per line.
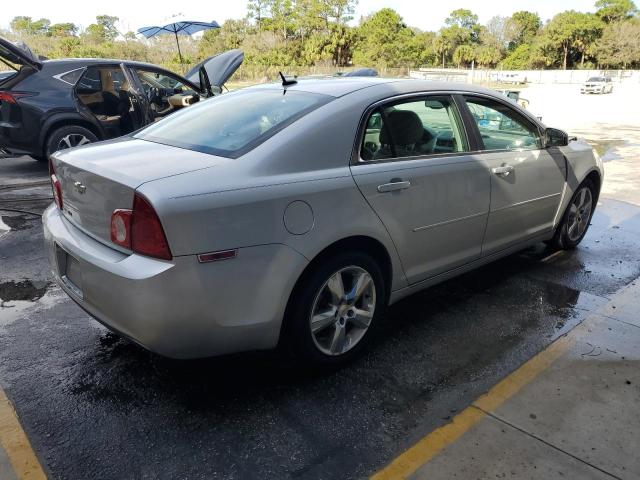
56,104
599,85
292,214
515,78
360,72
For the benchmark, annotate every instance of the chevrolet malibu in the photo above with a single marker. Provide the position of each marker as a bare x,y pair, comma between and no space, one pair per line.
292,214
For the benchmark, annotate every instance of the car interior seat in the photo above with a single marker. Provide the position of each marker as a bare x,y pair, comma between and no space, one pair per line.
405,129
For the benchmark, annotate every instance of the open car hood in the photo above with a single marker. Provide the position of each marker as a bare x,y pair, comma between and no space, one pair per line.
218,68
18,54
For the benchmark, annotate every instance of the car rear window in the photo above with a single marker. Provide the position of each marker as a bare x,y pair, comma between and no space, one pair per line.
232,124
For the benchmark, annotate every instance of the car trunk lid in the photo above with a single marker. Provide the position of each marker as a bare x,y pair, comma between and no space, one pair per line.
98,179
18,54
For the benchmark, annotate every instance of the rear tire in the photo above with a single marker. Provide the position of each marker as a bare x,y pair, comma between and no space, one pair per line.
68,136
326,328
576,219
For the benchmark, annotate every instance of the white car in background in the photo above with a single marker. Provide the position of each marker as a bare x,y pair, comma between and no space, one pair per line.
597,85
515,78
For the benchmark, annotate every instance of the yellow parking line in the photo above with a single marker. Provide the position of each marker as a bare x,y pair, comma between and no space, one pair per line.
427,448
16,444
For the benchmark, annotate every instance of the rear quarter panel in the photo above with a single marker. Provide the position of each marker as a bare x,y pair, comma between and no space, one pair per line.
244,203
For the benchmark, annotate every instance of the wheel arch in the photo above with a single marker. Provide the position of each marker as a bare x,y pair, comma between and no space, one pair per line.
57,121
359,243
596,178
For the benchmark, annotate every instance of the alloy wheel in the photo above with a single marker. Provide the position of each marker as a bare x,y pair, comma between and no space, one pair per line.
72,140
343,310
579,213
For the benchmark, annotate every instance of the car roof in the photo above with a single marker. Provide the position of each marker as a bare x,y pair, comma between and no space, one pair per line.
81,62
340,86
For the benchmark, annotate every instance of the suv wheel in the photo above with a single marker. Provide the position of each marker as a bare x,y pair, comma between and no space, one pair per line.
68,136
330,316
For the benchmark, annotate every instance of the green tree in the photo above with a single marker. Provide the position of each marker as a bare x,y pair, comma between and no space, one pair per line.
588,29
383,40
615,10
465,21
562,31
522,27
619,45
26,25
63,30
231,35
488,55
258,10
464,55
104,29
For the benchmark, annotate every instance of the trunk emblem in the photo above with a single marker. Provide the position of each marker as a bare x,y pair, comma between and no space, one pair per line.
80,188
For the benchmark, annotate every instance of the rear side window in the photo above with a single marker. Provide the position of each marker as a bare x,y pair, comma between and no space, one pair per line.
230,125
501,127
72,77
414,128
90,81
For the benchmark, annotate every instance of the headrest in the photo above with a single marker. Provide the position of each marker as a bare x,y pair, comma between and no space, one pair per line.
405,126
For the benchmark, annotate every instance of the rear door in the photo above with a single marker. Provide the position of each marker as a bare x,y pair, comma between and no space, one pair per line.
526,180
415,171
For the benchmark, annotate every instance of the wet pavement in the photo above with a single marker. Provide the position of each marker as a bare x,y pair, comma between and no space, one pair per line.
570,412
97,406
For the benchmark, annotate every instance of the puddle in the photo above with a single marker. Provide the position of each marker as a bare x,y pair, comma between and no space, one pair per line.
19,298
18,222
24,290
606,148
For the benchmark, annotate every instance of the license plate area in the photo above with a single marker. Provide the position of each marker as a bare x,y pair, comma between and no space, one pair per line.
69,271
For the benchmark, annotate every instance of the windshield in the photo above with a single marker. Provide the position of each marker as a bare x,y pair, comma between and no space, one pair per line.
230,125
596,79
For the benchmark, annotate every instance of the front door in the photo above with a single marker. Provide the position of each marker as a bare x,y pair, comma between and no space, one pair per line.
526,180
431,195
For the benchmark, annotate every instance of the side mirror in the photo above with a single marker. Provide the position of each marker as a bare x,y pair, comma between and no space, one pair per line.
555,138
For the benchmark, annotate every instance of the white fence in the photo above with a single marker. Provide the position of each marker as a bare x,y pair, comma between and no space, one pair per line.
522,76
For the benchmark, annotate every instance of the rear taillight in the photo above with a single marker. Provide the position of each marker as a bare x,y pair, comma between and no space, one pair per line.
12,97
140,230
55,186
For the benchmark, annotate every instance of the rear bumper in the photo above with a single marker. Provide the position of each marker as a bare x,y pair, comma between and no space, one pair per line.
181,308
591,89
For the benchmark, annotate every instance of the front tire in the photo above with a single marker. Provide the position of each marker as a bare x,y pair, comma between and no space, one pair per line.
577,217
334,308
66,137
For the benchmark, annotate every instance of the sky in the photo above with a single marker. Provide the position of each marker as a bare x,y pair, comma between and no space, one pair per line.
423,14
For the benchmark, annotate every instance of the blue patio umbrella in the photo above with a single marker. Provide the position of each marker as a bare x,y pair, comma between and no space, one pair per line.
185,27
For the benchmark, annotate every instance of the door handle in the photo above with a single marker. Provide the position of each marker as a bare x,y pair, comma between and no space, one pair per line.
393,186
503,170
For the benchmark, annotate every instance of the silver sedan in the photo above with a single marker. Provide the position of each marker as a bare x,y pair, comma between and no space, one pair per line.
292,214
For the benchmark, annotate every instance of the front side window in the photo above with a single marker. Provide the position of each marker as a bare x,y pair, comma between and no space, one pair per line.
159,88
418,127
501,127
232,124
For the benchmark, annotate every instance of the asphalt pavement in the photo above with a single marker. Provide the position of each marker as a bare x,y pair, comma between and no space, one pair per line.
96,406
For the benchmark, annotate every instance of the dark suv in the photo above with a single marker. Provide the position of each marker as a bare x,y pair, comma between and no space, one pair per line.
49,105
